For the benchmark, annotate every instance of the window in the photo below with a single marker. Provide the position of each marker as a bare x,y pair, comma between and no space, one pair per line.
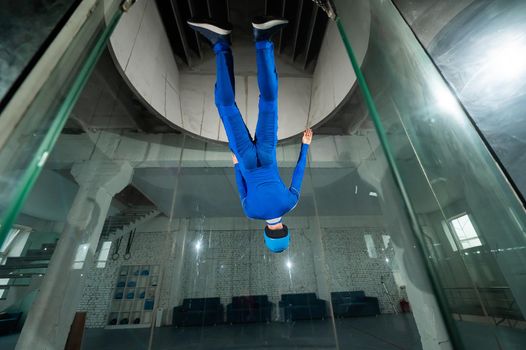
386,239
103,254
11,235
13,246
3,282
371,248
80,256
449,236
465,232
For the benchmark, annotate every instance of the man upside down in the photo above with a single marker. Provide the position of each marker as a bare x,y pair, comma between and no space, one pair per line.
263,194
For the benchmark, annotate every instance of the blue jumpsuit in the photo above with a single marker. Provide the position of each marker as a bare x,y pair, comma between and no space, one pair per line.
262,192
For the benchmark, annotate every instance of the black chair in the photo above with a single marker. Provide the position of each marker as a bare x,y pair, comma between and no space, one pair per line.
249,309
198,312
302,306
9,322
353,304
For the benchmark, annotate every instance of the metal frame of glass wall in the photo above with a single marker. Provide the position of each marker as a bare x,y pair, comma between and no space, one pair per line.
441,165
52,86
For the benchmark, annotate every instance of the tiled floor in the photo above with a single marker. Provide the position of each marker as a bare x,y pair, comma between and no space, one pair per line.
486,337
366,333
387,332
370,333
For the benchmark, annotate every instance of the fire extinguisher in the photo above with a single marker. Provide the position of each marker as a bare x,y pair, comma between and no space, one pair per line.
404,306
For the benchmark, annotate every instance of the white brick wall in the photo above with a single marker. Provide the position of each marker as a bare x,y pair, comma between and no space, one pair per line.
236,262
147,249
351,268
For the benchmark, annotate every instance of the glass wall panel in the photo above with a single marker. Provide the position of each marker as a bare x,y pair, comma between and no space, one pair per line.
406,236
33,119
226,289
43,207
154,250
469,221
478,45
84,265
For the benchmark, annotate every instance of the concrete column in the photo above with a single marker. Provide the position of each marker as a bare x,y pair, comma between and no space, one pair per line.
427,313
178,253
315,234
48,323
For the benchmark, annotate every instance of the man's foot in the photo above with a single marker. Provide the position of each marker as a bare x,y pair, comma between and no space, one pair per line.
213,31
265,26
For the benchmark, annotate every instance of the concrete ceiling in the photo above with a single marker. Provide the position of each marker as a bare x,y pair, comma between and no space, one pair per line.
181,94
211,192
107,102
299,43
51,196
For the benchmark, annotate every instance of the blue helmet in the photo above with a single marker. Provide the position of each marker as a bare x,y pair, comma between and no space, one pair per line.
277,240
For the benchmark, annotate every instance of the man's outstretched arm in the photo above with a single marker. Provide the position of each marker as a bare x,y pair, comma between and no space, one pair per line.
297,177
240,180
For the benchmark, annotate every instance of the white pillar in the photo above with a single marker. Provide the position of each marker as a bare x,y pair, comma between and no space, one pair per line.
177,253
321,270
49,320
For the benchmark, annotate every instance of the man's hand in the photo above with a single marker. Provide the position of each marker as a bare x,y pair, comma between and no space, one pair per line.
234,159
307,137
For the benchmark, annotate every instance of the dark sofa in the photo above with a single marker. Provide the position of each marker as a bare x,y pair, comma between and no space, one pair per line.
198,312
9,322
248,309
352,304
302,306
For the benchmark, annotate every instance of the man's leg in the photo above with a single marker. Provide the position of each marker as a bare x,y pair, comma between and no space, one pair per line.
267,126
238,135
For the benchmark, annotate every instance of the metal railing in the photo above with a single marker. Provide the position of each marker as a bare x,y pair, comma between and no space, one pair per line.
496,302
